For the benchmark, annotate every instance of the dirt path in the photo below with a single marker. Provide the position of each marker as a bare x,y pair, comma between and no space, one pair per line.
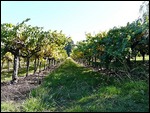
20,91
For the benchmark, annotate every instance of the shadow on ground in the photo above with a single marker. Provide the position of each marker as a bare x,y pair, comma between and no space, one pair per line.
75,88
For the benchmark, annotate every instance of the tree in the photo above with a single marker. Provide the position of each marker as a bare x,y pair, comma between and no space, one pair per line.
12,43
32,38
69,46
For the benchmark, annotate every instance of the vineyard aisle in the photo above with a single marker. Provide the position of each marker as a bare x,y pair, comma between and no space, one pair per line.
73,87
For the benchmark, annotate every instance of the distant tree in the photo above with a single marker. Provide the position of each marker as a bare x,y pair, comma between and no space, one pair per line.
69,46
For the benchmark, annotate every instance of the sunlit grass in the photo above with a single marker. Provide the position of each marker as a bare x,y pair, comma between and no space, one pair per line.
73,88
141,58
7,75
9,107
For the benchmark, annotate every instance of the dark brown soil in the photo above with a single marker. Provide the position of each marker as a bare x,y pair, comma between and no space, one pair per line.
19,91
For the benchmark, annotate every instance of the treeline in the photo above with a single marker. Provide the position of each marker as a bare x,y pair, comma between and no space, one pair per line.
117,46
30,43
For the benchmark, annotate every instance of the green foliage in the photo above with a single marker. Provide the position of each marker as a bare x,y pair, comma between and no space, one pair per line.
118,44
32,105
69,46
75,88
27,41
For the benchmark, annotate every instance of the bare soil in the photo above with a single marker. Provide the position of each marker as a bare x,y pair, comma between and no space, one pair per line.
19,91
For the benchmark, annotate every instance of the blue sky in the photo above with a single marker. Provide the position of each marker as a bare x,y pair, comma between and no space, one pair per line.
74,18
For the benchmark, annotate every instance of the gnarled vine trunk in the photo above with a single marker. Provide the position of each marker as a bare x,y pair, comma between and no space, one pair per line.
15,68
34,66
40,66
19,62
28,62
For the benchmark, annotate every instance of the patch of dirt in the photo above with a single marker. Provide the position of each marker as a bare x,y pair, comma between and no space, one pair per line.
19,91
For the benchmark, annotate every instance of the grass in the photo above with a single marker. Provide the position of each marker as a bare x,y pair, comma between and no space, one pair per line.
7,75
73,88
141,58
10,107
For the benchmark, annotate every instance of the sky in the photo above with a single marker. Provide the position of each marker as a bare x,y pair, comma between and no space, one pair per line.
74,18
